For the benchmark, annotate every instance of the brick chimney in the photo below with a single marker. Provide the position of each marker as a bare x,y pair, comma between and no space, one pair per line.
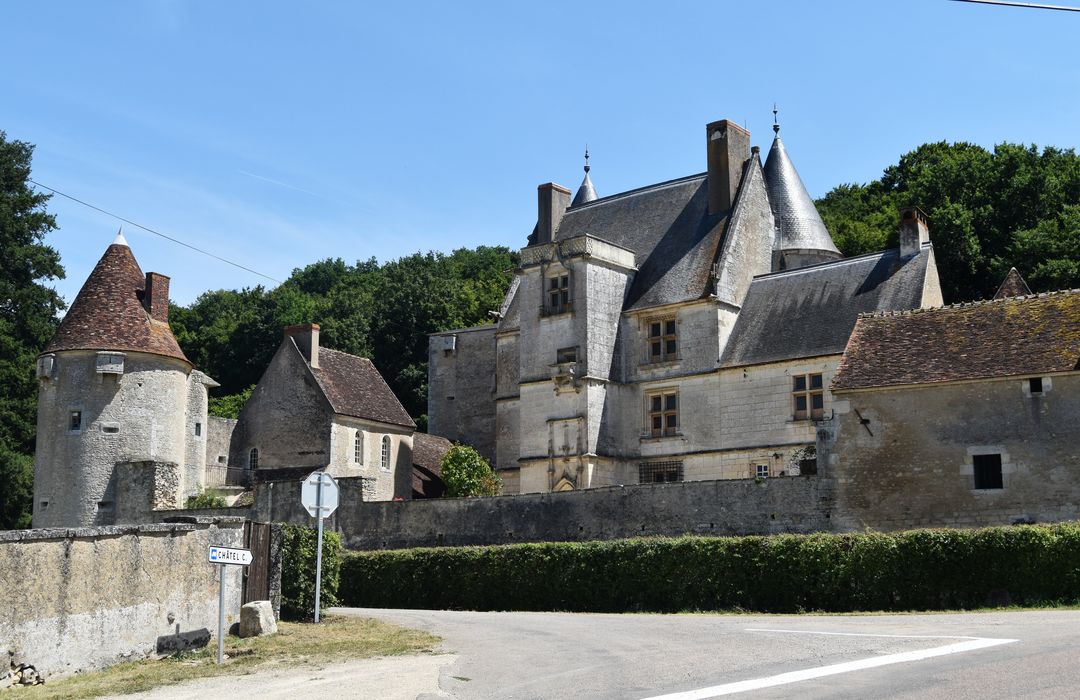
728,149
553,201
914,230
306,336
155,296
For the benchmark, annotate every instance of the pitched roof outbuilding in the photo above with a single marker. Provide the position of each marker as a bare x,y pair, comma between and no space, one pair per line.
1017,336
108,313
355,388
427,455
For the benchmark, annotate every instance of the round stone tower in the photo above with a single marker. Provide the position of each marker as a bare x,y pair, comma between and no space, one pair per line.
114,389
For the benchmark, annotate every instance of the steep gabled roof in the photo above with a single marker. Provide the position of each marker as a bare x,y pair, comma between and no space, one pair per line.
355,388
668,228
1016,336
1012,286
108,313
810,311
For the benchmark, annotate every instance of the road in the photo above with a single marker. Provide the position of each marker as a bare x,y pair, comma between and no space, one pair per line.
1028,654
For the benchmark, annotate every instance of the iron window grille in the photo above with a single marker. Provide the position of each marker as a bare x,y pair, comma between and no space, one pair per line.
660,472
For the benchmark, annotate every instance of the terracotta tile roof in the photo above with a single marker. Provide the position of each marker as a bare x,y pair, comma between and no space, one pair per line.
1017,336
108,313
355,388
1012,286
428,452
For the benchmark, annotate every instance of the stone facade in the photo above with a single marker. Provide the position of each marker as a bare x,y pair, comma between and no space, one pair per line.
904,457
624,352
80,599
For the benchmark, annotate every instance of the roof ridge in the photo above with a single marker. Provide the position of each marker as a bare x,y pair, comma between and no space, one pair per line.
635,191
831,263
968,304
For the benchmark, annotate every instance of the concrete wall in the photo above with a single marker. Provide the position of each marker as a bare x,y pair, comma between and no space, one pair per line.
137,415
85,598
461,386
801,504
911,463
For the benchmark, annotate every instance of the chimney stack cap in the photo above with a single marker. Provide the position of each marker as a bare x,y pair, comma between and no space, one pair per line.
301,328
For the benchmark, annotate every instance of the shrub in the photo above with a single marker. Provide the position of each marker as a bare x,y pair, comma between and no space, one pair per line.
915,570
466,473
298,548
207,499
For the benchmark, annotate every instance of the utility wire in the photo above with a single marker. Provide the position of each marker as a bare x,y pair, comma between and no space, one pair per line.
156,233
1031,5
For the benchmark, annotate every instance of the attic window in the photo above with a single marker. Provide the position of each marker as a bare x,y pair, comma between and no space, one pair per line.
110,363
1035,385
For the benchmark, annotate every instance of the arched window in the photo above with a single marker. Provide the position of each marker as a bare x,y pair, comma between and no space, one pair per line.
253,458
386,452
358,447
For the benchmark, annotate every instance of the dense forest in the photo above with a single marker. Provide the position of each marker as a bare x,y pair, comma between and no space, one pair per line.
989,210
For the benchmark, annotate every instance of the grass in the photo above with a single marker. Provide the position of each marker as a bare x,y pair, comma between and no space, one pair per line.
334,639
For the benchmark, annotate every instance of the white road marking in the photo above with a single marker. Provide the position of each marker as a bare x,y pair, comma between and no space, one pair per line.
972,644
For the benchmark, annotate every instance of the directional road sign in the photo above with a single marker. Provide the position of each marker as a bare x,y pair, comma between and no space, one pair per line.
228,555
310,497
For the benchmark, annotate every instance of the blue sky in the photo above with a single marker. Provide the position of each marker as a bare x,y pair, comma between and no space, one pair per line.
277,134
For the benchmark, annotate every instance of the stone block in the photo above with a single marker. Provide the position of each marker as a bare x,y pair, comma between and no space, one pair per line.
257,619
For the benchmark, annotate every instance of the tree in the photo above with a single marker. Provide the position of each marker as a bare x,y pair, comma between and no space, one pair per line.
28,311
989,211
466,473
229,406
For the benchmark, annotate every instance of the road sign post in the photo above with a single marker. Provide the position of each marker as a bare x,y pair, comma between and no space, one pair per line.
224,556
319,495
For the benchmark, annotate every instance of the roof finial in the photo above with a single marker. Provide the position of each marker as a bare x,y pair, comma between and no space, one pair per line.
120,240
775,123
586,158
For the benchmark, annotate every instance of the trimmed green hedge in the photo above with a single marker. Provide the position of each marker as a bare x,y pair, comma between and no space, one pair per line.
914,570
298,549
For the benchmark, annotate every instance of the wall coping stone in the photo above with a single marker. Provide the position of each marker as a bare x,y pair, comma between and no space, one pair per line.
61,533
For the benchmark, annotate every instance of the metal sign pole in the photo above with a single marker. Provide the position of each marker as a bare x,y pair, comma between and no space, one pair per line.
318,551
221,614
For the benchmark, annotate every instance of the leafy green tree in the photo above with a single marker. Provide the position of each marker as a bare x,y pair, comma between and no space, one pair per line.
229,406
466,473
989,211
28,311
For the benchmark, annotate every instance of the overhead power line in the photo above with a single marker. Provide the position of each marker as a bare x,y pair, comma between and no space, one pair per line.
156,233
1030,5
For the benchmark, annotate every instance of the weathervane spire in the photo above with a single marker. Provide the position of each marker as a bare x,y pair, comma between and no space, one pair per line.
586,158
775,122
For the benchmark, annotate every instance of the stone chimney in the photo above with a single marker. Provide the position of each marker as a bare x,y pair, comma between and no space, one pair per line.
155,297
306,336
914,231
552,201
728,149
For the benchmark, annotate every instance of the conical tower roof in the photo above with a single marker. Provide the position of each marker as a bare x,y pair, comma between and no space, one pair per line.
799,226
108,313
586,193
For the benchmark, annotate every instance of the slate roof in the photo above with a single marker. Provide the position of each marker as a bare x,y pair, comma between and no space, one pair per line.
586,193
108,313
1012,286
1017,336
428,452
797,219
668,227
355,388
810,311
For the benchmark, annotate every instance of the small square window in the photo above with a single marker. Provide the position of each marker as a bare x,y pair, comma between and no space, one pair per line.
987,472
763,471
1035,384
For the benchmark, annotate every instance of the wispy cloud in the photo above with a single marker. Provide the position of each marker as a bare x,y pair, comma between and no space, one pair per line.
279,183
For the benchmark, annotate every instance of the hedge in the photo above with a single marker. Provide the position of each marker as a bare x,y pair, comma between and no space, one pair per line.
913,570
298,548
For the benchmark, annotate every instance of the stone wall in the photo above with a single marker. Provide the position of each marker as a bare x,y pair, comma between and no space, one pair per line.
79,599
904,457
801,504
461,387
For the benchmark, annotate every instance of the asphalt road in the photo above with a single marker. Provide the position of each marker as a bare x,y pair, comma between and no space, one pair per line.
685,657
